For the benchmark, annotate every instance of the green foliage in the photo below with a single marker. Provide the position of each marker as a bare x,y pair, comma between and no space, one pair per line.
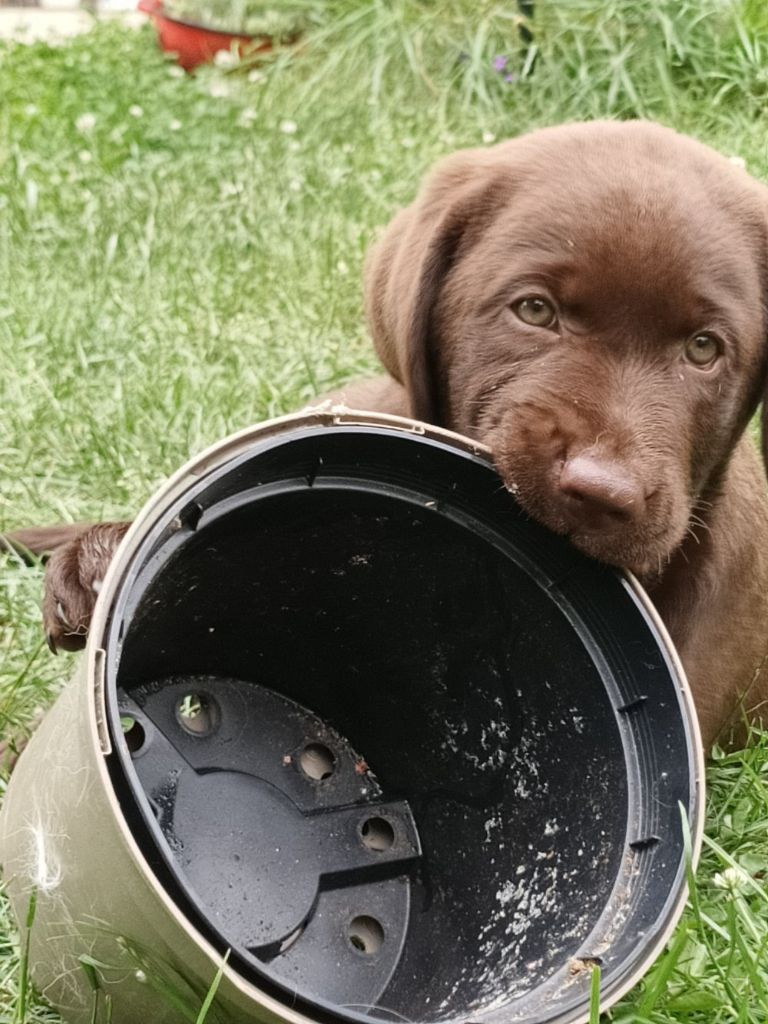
652,58
181,256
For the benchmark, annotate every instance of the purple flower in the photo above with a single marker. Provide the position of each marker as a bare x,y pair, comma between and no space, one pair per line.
499,63
510,78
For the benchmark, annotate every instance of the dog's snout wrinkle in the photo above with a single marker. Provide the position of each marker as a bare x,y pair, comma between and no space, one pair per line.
601,492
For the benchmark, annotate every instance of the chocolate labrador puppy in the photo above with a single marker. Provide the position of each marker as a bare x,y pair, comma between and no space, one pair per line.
590,302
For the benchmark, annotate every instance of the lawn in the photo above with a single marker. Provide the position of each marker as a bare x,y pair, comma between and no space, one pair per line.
181,257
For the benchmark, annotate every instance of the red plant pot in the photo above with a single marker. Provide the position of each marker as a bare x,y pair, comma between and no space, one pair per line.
195,44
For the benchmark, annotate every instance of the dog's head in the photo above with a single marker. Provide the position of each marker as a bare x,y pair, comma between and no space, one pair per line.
590,302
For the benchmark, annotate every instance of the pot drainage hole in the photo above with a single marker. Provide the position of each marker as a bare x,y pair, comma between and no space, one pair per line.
317,761
366,934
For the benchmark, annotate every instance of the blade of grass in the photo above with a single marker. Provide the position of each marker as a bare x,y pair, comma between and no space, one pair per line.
24,979
211,994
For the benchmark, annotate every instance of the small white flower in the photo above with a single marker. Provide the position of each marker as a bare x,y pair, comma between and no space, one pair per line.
30,110
288,127
218,89
488,138
294,145
255,75
135,110
140,976
174,71
738,161
295,184
174,124
84,156
230,188
342,268
225,59
736,880
85,123
248,116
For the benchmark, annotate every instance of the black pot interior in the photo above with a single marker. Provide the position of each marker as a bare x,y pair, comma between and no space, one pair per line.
390,742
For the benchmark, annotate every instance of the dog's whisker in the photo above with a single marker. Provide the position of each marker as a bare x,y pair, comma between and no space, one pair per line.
697,521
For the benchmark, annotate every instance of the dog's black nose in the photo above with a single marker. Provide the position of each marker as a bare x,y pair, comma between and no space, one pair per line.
601,493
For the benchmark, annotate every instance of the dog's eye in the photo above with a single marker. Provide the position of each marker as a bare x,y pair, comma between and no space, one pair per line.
702,349
535,311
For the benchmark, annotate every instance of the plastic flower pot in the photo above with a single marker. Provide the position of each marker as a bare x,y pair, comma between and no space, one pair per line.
354,727
196,44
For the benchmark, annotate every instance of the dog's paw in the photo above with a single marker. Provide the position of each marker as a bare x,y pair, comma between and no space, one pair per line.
73,579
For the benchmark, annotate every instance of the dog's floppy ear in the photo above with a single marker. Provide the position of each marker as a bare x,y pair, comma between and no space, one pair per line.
406,268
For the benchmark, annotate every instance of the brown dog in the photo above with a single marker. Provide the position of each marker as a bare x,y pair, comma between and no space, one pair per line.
590,302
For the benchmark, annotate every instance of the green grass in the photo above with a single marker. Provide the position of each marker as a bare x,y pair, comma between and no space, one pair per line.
180,257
